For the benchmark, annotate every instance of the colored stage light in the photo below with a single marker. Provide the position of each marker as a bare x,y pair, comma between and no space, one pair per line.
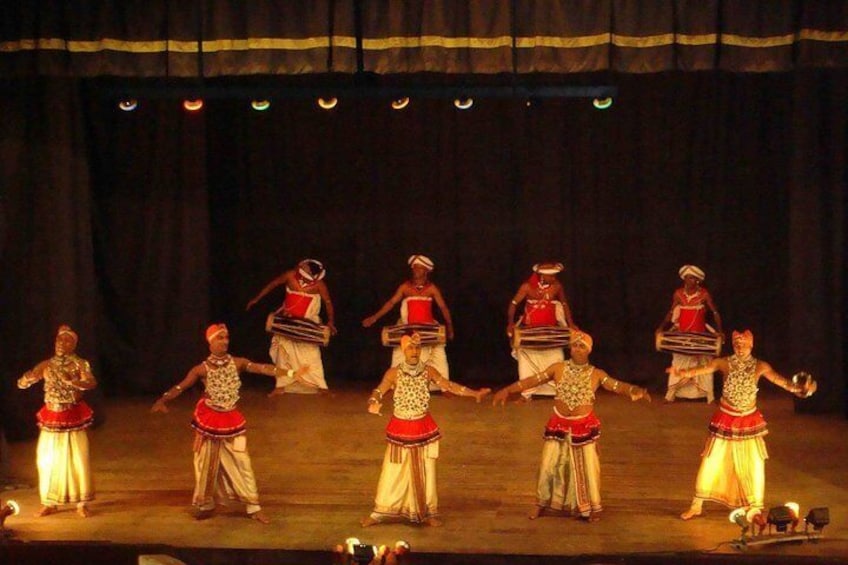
602,103
328,103
193,105
463,103
128,104
400,103
260,105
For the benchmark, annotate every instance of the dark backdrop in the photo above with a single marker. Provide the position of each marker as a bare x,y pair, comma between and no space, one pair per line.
141,228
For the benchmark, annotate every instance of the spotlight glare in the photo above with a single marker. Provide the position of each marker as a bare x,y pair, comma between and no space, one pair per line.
128,104
328,103
193,105
463,103
602,103
400,103
260,105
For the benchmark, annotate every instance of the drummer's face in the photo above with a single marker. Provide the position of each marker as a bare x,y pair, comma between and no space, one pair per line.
691,282
420,271
220,343
412,353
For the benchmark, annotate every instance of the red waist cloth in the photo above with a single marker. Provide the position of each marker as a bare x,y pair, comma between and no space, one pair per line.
582,430
217,423
729,423
419,310
692,320
77,417
540,313
411,433
296,305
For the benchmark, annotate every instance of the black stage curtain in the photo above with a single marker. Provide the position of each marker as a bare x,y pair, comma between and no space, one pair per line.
140,228
156,38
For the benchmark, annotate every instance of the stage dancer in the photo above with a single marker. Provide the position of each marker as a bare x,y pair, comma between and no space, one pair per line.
416,297
407,485
732,470
570,470
689,306
62,455
222,467
545,305
306,291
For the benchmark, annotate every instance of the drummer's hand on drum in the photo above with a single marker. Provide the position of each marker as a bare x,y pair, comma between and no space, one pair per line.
500,397
332,326
449,332
481,393
510,329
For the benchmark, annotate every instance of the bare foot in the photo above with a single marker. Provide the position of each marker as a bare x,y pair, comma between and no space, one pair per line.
45,511
277,392
367,521
433,522
691,513
83,511
535,513
260,517
592,517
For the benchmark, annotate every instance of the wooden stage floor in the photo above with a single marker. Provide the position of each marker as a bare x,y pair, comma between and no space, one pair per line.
317,459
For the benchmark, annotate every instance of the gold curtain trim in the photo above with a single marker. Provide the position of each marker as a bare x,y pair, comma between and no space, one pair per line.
405,42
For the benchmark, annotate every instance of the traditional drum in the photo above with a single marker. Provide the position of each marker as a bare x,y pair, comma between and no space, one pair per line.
297,329
431,334
540,337
689,343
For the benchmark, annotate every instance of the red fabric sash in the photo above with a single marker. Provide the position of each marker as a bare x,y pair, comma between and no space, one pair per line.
582,430
296,305
217,423
728,424
410,433
540,313
419,310
77,417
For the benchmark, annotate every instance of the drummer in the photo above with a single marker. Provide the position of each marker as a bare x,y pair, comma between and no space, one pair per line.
416,297
689,305
306,291
545,305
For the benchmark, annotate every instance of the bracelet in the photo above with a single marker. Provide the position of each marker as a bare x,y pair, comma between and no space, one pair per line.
379,394
372,400
290,373
615,386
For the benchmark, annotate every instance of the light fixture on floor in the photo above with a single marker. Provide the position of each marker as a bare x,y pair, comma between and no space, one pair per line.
328,103
463,103
602,103
400,103
193,105
818,518
11,508
782,517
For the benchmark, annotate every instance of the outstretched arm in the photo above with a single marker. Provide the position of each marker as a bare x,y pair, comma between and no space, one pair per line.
717,364
513,304
390,303
523,384
375,401
801,390
280,280
191,377
456,388
32,376
248,366
602,379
